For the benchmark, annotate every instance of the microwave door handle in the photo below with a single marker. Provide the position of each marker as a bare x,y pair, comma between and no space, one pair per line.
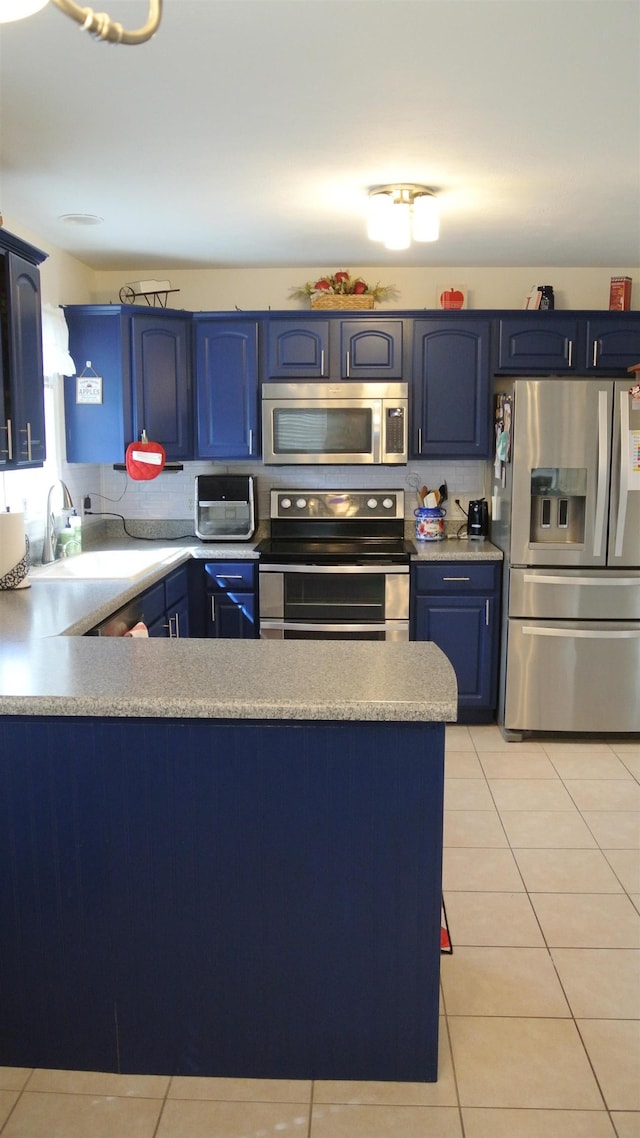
377,428
623,489
603,460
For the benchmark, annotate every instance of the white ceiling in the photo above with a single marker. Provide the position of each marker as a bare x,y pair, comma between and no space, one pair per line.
247,132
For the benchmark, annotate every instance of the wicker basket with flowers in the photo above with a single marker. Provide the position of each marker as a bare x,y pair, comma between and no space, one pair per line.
341,290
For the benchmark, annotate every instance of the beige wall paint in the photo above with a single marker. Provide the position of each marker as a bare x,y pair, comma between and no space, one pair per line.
259,289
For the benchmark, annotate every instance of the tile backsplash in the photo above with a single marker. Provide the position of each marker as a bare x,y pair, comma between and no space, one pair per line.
171,494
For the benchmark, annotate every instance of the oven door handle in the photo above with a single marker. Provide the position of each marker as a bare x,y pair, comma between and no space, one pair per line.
388,567
314,626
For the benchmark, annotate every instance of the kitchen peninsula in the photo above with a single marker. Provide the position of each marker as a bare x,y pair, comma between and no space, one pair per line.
218,857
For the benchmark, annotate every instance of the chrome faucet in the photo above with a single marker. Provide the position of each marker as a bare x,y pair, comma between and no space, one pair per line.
49,543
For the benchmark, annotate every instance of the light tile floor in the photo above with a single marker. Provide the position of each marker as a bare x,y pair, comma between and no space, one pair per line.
540,1031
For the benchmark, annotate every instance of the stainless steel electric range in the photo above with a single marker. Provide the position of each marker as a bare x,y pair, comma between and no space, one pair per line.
335,567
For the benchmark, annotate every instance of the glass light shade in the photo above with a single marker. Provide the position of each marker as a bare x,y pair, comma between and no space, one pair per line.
426,222
398,235
18,9
380,207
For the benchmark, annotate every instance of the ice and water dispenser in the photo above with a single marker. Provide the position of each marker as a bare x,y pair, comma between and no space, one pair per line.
225,507
558,497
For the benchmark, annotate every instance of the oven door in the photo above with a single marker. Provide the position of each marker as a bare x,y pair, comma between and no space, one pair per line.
334,602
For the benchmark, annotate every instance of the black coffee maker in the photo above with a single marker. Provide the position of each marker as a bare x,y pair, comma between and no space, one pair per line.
478,525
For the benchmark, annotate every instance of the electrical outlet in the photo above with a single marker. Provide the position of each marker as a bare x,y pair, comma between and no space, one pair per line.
460,507
86,503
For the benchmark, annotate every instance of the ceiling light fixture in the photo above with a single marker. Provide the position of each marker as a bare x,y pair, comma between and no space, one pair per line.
402,211
98,24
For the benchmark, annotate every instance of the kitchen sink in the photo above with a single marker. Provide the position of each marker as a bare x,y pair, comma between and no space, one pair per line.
115,564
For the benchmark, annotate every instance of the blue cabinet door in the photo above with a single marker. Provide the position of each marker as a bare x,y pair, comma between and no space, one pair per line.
538,342
23,327
613,341
231,611
371,350
227,389
459,626
162,383
297,350
451,396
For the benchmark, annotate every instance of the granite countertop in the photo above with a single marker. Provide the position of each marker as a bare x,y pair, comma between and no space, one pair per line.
47,667
228,679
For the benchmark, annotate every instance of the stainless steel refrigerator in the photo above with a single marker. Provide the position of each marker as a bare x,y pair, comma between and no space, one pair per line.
565,506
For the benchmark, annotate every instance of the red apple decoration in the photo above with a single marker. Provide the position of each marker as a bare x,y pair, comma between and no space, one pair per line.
452,298
342,276
359,287
322,284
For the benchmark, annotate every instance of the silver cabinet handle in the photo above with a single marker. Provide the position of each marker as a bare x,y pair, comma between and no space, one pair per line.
169,628
8,450
595,353
456,578
322,362
419,440
177,625
348,362
487,612
570,354
250,440
213,609
27,431
603,464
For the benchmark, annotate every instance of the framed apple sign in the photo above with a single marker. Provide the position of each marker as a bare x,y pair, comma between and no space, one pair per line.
451,296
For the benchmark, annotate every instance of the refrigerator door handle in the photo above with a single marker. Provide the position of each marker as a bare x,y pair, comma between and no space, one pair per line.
603,456
582,633
623,491
599,582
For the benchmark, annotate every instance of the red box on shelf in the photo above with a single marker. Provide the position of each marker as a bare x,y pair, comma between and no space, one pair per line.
620,294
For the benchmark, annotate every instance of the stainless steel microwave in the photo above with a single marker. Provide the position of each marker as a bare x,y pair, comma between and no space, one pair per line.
346,423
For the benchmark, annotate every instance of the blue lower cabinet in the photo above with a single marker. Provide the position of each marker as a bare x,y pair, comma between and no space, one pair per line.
165,606
457,606
230,600
255,899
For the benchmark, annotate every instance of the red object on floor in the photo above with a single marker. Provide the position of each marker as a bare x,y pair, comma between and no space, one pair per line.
445,939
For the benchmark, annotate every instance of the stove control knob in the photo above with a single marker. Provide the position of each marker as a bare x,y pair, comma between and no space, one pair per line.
285,503
388,503
301,503
372,503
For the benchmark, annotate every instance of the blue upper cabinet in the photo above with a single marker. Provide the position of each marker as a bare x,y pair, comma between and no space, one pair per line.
451,379
162,382
556,342
613,341
226,353
143,361
309,348
371,350
297,350
538,341
22,432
